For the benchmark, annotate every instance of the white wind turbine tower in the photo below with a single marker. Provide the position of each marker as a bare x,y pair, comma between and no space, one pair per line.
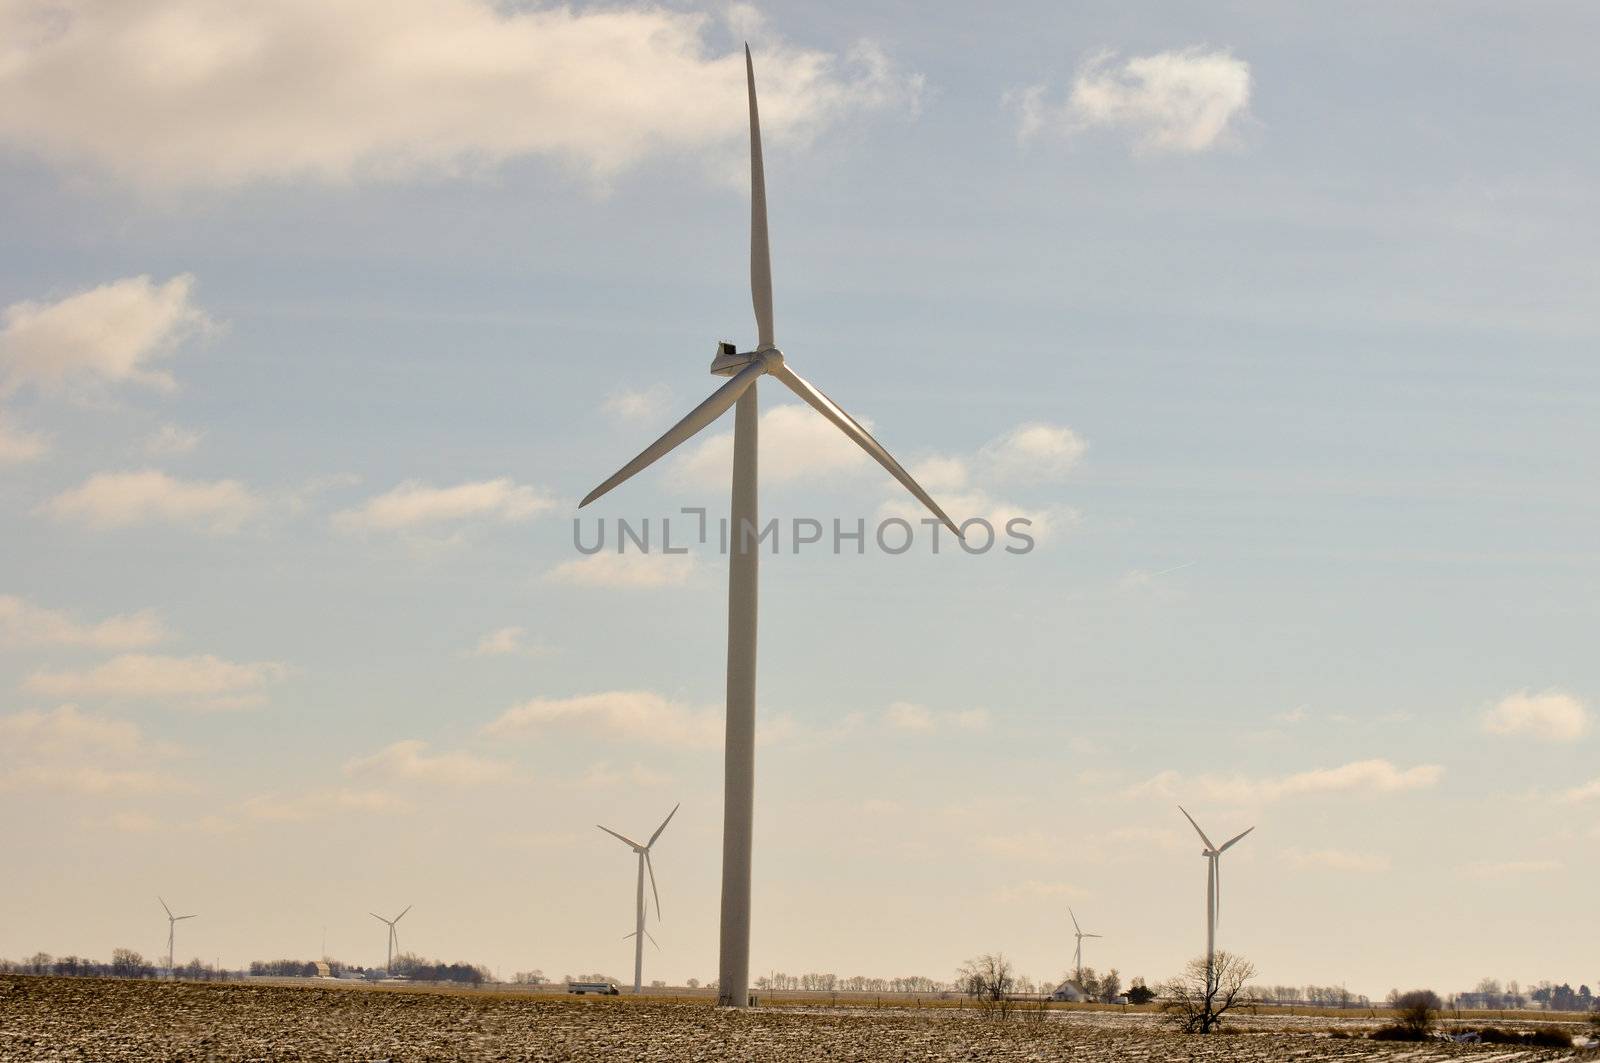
745,368
172,927
1077,961
639,932
394,935
1213,854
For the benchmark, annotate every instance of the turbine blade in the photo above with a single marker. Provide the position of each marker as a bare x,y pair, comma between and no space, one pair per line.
164,905
402,915
1196,827
1075,925
631,933
653,940
378,917
621,838
720,401
1094,935
850,427
663,826
1230,841
760,250
652,869
178,917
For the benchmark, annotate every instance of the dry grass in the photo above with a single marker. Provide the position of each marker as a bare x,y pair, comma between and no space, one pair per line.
120,1022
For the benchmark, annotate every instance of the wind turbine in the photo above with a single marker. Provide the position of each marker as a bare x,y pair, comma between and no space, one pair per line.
639,932
1212,853
1078,956
172,927
394,935
745,368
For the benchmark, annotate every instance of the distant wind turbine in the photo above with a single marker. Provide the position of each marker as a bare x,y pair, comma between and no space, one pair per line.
394,935
745,368
172,926
1077,961
639,932
1213,854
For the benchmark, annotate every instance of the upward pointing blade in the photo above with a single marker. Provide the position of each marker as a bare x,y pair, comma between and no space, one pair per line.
621,838
402,915
1233,839
848,425
164,905
719,403
652,869
1075,925
760,251
663,826
1196,827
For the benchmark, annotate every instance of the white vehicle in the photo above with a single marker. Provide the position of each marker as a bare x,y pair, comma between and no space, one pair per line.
604,988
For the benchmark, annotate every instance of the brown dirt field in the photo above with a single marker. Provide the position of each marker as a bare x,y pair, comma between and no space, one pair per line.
117,1021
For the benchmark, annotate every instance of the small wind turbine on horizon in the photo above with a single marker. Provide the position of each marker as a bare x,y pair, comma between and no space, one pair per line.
639,932
739,393
172,927
1077,961
1213,854
394,935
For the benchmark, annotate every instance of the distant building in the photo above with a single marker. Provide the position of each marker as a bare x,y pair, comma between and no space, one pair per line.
1070,992
323,970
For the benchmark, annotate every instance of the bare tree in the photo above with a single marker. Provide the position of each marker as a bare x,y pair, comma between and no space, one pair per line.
1110,986
1198,999
989,979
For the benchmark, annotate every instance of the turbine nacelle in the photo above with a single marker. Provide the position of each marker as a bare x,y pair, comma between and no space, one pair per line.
730,360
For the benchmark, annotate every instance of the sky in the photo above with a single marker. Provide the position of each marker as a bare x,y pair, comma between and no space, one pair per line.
1275,324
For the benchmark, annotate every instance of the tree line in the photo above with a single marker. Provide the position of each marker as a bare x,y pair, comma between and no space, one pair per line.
125,963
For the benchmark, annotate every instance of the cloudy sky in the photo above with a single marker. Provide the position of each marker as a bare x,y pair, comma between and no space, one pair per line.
1278,325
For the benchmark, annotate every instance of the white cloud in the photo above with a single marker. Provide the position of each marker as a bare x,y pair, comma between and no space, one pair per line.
68,750
1552,716
106,335
321,804
1031,846
633,715
797,444
125,499
1361,777
632,407
1034,890
409,760
1513,868
24,625
625,571
89,779
507,642
170,440
908,716
200,682
1298,714
603,775
67,730
964,502
1033,453
413,504
18,445
195,92
1336,860
1589,791
1178,101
